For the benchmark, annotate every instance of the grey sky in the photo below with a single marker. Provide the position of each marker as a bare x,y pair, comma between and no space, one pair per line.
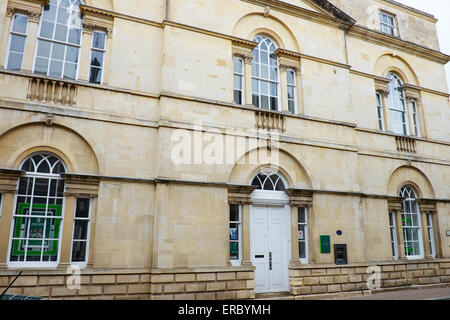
441,11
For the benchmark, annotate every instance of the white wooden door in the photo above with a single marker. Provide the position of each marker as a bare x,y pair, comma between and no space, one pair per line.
270,247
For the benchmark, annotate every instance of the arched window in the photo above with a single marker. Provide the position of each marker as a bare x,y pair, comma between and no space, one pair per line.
268,181
59,39
37,219
412,234
265,78
397,104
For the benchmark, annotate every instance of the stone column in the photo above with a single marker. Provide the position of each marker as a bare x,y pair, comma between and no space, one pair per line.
109,33
421,115
425,237
409,116
283,89
5,36
31,41
85,58
300,102
386,113
400,239
248,80
66,239
295,259
246,259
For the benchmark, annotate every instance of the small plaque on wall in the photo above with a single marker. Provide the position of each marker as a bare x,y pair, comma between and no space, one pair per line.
325,244
448,233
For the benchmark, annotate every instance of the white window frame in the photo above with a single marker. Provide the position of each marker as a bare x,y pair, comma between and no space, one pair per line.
294,88
259,79
305,235
103,51
66,44
11,33
380,115
400,97
82,264
393,233
392,26
41,264
430,229
415,114
237,262
419,225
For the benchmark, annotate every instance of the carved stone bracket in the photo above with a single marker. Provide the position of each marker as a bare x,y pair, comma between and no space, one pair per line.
33,9
8,180
80,185
240,194
300,197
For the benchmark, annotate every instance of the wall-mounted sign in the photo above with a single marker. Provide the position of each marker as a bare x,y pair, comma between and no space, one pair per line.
325,244
300,235
339,232
448,233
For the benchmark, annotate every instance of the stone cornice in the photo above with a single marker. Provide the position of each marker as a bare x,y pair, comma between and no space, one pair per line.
411,10
385,40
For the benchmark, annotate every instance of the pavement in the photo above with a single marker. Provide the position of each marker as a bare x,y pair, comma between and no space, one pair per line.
438,293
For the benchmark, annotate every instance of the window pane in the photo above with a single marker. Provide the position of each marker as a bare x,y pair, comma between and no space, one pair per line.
70,70
14,61
274,74
237,82
50,13
264,72
74,35
96,75
43,49
234,251
82,209
55,68
17,43
20,24
80,230
291,77
47,29
237,96
255,100
99,38
255,69
63,15
41,66
79,251
291,105
72,54
273,89
61,33
273,103
302,249
58,51
291,93
265,102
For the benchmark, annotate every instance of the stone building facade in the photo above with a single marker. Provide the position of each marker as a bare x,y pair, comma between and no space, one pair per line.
221,149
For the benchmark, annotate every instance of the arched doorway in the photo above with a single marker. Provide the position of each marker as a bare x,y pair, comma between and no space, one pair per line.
270,239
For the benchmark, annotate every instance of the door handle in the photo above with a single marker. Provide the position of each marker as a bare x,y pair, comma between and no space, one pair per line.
259,256
270,260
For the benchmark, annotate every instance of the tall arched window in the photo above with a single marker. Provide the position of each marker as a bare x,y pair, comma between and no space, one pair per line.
59,39
412,235
37,219
397,105
265,78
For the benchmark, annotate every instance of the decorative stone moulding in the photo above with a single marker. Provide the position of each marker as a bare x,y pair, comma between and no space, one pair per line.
96,18
269,120
41,89
406,144
32,8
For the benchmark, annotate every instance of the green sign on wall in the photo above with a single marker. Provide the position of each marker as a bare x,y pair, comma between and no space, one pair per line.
325,246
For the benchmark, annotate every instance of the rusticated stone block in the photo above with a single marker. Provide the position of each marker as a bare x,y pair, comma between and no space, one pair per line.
424,280
360,270
245,275
435,280
26,281
141,288
309,281
411,267
205,296
318,272
334,288
228,295
161,278
103,279
429,273
216,286
355,278
319,289
128,278
445,279
400,267
196,287
300,272
347,271
174,288
387,268
389,283
184,296
244,294
236,285
90,290
326,280
422,266
333,271
301,290
395,275
417,273
341,279
189,277
117,289
49,280
63,292
401,282
348,287
162,297
226,276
